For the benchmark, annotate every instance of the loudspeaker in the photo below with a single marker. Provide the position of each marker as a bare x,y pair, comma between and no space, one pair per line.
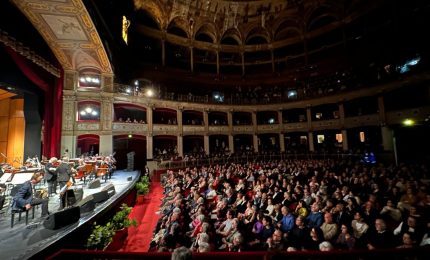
101,196
87,204
94,184
62,218
68,199
79,194
110,189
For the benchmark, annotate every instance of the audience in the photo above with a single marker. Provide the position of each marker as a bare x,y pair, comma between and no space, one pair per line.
293,205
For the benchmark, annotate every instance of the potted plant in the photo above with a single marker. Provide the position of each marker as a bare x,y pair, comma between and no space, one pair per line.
142,188
100,237
120,222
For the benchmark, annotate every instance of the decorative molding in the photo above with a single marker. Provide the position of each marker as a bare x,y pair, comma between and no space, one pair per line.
129,127
224,129
69,31
249,128
192,129
28,53
68,117
274,127
87,126
165,128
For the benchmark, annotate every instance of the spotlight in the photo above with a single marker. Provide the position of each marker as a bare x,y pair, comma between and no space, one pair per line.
130,136
408,122
88,110
82,79
94,113
150,93
136,83
128,90
88,79
83,113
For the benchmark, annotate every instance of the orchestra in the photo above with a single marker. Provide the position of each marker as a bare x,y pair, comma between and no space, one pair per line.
59,175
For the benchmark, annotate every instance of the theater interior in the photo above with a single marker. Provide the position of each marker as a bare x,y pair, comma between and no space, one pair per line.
185,90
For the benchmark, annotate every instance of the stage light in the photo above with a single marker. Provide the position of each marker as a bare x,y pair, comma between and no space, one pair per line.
149,93
136,83
408,122
94,113
82,79
88,110
128,90
83,113
130,136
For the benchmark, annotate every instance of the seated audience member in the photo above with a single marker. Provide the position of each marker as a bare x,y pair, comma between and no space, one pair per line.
315,239
345,240
182,253
325,246
24,198
408,240
329,228
277,242
380,237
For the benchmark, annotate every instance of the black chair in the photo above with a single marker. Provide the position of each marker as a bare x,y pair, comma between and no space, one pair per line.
16,210
19,211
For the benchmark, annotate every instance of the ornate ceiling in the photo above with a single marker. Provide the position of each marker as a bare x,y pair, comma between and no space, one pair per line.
69,31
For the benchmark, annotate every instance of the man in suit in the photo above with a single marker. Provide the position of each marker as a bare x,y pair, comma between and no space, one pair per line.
64,173
51,176
23,199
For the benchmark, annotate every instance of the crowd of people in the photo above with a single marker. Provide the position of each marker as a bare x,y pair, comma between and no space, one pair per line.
294,205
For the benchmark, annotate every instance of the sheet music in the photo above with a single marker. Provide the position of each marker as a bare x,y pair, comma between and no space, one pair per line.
22,177
5,177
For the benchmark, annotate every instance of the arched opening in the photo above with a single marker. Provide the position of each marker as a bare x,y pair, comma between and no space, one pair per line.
88,145
124,144
194,145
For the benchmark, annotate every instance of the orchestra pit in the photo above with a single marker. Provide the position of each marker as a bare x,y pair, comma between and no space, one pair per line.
192,129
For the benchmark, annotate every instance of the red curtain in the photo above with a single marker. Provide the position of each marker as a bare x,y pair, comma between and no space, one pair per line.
53,102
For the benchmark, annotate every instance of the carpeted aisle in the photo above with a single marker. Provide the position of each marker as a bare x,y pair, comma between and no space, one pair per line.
139,237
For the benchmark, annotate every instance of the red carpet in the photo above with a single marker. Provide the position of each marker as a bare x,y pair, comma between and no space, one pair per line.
139,237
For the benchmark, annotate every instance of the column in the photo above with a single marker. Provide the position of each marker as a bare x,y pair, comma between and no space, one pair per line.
345,140
105,145
192,59
180,142
149,137
230,121
163,53
243,63
281,142
387,138
381,108
206,120
280,120
342,115
272,55
255,137
311,142
231,143
255,143
309,117
179,119
206,143
107,83
69,142
217,62
149,147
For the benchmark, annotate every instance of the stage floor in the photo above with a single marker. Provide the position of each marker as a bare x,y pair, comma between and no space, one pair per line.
22,242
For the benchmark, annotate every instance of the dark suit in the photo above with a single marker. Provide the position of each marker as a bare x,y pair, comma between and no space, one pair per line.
51,178
24,196
64,173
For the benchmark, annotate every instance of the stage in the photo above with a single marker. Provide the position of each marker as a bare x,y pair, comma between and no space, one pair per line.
26,241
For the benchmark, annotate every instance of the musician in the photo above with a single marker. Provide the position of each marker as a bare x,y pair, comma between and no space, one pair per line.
23,199
64,174
51,175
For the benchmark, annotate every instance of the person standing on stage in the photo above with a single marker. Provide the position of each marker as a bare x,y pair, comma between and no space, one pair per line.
64,173
24,200
51,175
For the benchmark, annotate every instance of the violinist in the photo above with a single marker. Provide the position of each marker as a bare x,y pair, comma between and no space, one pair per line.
51,175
